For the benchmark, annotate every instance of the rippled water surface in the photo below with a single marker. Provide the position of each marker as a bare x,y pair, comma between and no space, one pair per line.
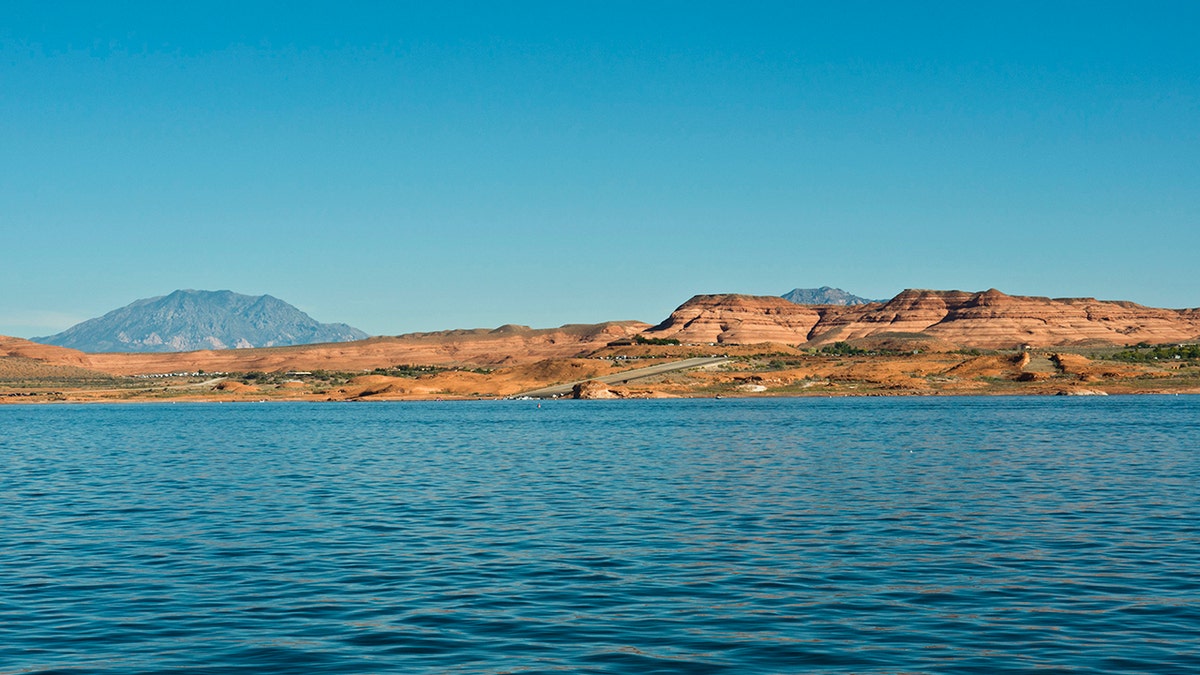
948,535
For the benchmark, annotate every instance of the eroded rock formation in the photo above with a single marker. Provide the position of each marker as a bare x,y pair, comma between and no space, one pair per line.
988,319
739,319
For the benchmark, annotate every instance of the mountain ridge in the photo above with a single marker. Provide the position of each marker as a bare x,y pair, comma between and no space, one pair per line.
825,295
189,320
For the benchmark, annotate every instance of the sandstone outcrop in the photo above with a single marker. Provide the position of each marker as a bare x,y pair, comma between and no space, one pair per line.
594,389
988,319
993,319
739,319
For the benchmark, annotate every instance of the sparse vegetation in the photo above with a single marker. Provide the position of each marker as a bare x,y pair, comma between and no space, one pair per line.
842,349
337,377
408,370
414,371
1144,353
643,340
326,377
847,350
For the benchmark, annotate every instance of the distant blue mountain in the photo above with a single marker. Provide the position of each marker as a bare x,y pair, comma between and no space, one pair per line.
824,296
190,320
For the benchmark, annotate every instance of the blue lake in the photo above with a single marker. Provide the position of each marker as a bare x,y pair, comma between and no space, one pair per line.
870,535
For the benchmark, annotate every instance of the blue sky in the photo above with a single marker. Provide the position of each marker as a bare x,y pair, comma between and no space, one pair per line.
404,167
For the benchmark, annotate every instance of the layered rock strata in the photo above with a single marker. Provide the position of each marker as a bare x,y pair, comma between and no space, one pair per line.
988,319
739,319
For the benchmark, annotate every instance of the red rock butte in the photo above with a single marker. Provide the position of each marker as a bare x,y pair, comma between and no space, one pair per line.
988,319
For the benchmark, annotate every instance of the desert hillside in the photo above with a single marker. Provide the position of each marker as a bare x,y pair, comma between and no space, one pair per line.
11,347
504,346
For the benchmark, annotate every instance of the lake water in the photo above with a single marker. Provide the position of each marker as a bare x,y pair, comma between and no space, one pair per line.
898,535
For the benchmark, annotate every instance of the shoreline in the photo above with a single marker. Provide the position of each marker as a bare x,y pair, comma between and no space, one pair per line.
64,398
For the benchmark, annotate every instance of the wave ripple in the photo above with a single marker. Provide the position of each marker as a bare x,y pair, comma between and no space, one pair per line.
999,535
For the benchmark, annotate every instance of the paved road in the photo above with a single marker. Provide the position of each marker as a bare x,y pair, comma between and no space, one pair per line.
199,385
628,375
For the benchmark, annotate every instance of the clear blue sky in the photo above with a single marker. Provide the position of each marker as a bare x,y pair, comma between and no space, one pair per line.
426,166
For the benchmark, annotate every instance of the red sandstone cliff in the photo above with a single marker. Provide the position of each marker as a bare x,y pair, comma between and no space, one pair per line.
989,319
739,319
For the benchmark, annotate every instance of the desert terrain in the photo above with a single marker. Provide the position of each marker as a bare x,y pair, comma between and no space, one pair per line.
767,369
918,343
